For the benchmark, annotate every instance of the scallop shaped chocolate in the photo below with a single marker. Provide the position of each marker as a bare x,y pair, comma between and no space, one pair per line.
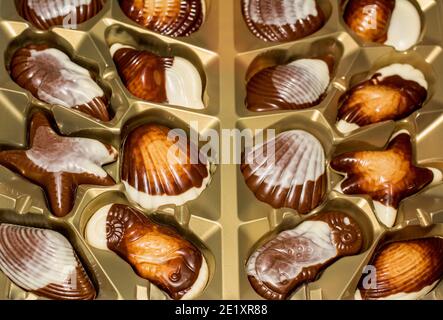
157,252
282,20
392,93
43,262
162,167
293,257
175,18
404,270
298,85
52,77
44,14
288,171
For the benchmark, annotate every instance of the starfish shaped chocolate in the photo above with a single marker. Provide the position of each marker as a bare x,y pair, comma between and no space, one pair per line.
387,176
60,164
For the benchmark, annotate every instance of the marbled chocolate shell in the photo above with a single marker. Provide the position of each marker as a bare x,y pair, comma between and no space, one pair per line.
288,171
282,20
392,93
157,170
175,18
43,262
278,267
52,77
157,252
44,14
298,85
404,270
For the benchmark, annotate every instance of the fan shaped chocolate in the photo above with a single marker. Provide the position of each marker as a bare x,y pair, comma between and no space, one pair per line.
293,257
174,18
404,270
157,252
161,166
288,171
382,21
298,85
44,14
282,20
52,77
44,263
392,93
172,80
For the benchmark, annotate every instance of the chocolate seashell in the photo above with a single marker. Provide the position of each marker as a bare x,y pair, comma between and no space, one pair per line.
392,93
288,171
404,270
282,20
298,85
175,18
44,14
297,256
43,262
51,76
157,252
172,80
159,171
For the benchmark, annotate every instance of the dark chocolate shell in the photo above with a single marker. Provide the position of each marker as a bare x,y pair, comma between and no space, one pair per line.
43,262
175,18
44,14
281,21
288,171
52,77
293,257
404,270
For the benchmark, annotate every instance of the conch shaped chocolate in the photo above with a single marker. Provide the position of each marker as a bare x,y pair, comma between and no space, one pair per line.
282,20
157,252
288,171
172,80
162,167
404,270
392,93
298,85
44,14
297,256
52,77
44,263
174,18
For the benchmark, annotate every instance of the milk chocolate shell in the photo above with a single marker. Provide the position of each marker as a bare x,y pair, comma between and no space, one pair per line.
157,252
172,80
44,14
288,171
157,170
386,176
59,164
297,256
383,21
174,18
298,85
51,76
282,20
392,93
404,270
44,263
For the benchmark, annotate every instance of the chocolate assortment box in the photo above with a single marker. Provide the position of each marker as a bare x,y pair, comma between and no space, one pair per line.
93,206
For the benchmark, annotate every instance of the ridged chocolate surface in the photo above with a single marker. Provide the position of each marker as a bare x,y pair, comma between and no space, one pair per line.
43,262
282,20
175,18
297,256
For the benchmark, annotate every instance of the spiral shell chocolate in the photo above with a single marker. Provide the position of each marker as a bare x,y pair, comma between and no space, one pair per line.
296,256
404,270
175,18
282,20
43,262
